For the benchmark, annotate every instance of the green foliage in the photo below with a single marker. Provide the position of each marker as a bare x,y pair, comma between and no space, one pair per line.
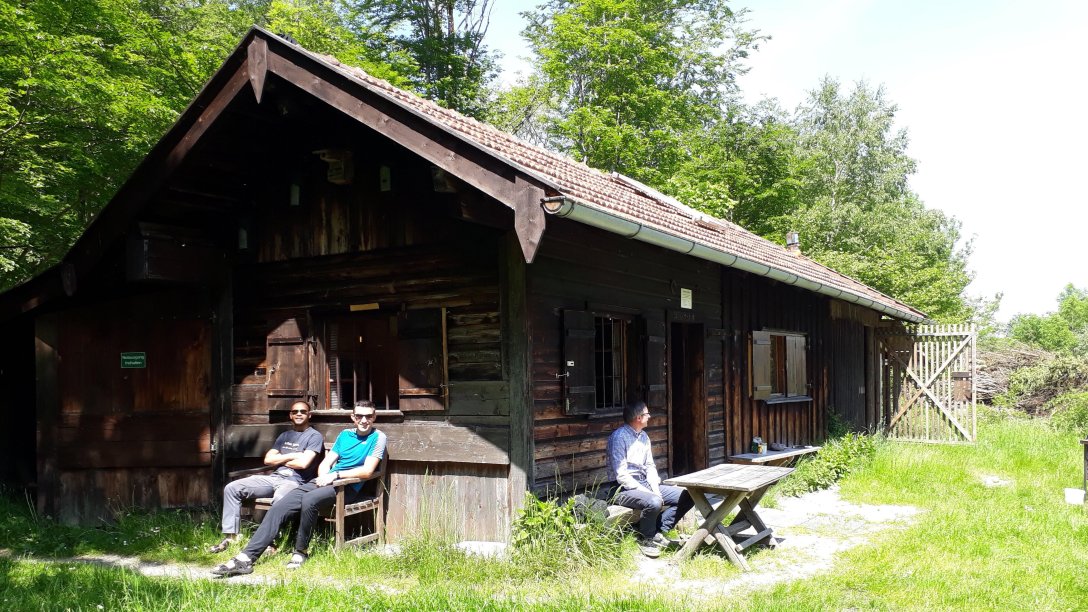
631,79
1032,387
1064,331
551,537
1069,412
837,458
444,41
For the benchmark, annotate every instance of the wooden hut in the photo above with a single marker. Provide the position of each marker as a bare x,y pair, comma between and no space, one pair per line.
308,231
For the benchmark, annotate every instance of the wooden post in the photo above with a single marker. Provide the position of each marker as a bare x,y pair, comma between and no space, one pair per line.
46,336
516,364
222,374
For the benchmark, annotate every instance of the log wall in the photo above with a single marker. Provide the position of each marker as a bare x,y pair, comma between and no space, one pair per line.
396,251
108,436
579,268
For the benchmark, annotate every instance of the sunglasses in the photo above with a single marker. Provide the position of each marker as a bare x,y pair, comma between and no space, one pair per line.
360,417
300,412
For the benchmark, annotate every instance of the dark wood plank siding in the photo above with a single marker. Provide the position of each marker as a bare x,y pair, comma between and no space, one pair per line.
392,252
122,436
581,268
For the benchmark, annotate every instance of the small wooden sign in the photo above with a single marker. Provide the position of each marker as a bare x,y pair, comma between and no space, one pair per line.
685,298
131,361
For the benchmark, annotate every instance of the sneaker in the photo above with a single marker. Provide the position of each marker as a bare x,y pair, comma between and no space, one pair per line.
233,567
665,541
648,548
297,560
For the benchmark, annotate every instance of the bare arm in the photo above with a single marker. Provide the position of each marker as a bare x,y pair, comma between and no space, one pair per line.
299,460
323,475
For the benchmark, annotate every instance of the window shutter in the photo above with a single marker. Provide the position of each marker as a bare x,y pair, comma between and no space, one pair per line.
761,385
655,364
288,355
796,378
579,375
421,347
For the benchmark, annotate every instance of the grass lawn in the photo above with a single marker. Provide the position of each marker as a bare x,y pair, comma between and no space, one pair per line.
1016,545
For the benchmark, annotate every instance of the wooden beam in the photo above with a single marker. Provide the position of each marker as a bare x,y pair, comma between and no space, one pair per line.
155,169
475,166
257,65
517,366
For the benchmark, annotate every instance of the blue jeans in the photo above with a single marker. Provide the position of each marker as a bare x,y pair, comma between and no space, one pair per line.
657,512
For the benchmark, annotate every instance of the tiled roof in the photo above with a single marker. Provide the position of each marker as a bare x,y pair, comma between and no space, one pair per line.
621,196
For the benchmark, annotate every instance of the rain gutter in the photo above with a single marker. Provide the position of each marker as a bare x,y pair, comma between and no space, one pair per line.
565,207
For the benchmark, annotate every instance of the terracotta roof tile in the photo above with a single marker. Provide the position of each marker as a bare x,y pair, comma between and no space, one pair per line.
619,195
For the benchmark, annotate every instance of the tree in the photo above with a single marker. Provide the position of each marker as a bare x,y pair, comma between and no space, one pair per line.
1063,331
444,39
85,88
632,78
856,211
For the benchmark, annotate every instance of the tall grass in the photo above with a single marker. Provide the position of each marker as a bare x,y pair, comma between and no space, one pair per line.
1016,545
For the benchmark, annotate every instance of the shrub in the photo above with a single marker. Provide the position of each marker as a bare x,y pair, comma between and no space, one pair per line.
836,459
1069,412
1031,388
552,537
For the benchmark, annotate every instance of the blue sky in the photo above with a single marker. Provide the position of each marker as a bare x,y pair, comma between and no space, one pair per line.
992,93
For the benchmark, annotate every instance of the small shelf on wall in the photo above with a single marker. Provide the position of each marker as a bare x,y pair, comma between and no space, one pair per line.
793,399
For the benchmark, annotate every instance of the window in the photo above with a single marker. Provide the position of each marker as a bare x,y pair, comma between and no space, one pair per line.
779,366
597,362
360,354
610,350
397,360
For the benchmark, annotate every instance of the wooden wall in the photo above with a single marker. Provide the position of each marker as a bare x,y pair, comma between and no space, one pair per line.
579,267
399,250
110,437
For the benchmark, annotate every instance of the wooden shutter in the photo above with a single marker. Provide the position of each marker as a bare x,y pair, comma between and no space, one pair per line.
422,361
579,375
288,355
655,364
796,378
762,374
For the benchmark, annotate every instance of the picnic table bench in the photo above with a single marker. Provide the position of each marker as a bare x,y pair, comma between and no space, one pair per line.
737,483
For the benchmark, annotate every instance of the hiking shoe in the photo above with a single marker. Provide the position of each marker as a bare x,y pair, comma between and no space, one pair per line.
648,548
661,541
297,560
233,567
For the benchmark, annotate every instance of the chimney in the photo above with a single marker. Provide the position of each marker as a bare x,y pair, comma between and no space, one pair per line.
793,243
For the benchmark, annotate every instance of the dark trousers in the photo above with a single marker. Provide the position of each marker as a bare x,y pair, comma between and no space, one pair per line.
306,502
657,513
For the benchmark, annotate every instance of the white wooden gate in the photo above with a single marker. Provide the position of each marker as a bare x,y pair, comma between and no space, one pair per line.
928,383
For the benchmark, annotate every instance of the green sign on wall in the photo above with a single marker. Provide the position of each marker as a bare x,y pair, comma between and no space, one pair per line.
133,360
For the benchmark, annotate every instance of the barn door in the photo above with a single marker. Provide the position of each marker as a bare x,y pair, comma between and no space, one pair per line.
927,383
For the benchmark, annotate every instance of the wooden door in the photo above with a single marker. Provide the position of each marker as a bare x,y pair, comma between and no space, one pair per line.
687,394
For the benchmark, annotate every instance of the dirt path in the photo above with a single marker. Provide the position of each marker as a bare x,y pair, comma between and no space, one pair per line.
811,530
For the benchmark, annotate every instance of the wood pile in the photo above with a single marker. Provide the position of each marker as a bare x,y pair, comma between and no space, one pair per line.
996,365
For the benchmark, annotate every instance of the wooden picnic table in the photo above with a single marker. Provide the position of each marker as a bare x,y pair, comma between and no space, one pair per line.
736,483
773,457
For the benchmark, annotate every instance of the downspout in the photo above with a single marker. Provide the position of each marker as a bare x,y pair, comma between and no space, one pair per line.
562,206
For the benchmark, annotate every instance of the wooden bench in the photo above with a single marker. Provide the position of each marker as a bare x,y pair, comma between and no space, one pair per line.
372,502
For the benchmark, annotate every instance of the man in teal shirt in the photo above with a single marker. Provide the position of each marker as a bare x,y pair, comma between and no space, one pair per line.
355,454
